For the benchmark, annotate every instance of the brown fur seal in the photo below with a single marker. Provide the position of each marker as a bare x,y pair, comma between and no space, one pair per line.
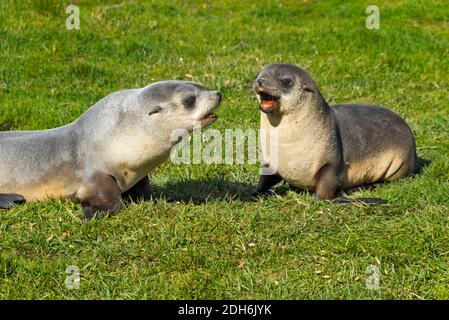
325,148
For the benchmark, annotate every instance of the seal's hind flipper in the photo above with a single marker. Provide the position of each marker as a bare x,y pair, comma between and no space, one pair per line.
10,200
345,200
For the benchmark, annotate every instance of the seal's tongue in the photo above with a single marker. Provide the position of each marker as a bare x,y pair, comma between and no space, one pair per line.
208,119
267,104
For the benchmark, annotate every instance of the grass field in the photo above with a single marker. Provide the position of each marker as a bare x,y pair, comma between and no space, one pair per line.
203,237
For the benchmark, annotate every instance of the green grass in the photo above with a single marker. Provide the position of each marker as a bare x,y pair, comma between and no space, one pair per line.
203,238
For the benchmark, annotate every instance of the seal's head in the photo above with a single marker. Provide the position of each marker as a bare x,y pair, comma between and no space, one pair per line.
136,127
283,88
184,104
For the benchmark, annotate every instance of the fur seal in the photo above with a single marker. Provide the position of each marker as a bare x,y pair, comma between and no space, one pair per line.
325,148
107,153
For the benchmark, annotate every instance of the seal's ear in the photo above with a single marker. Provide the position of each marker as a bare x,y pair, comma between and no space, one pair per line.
308,88
155,109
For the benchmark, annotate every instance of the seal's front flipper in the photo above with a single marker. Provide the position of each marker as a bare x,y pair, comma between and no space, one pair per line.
141,191
327,182
10,200
101,195
265,183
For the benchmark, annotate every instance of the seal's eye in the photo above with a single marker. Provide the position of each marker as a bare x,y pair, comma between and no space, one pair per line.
190,101
286,82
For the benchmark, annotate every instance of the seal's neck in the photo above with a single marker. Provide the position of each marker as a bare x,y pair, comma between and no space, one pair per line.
318,106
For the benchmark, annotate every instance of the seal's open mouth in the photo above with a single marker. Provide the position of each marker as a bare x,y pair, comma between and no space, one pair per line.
269,103
208,119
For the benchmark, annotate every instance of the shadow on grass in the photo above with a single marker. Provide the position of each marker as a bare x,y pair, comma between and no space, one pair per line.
6,125
421,164
199,191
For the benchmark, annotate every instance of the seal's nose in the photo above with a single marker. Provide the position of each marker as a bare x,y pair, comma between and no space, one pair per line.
261,81
219,96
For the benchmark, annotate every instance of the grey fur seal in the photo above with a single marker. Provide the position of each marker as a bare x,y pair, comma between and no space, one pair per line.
325,148
107,153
